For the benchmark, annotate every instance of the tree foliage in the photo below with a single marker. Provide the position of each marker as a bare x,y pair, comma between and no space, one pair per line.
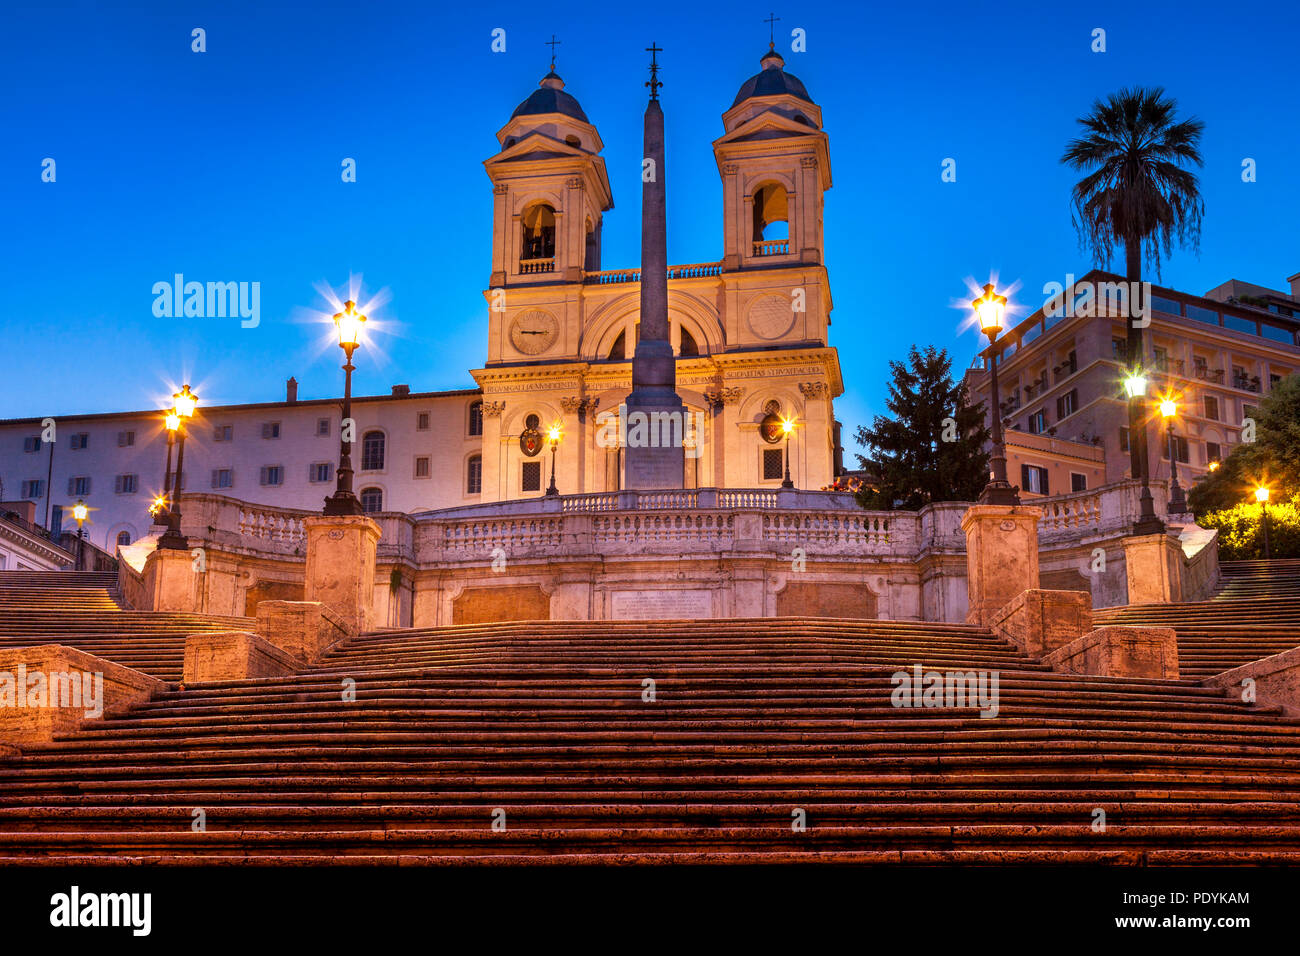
1272,459
1241,530
933,448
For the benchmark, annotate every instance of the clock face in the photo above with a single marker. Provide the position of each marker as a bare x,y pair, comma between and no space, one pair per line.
771,316
534,332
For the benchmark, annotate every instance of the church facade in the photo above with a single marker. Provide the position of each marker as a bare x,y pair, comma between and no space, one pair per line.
749,333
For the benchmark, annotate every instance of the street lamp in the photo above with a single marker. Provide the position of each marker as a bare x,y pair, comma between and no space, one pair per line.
186,402
1177,504
553,435
1261,495
990,309
79,511
1135,387
171,421
349,323
787,429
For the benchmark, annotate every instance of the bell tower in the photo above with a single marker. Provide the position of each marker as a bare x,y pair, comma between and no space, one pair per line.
550,191
775,165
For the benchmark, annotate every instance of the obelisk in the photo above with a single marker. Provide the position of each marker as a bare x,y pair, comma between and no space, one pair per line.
654,456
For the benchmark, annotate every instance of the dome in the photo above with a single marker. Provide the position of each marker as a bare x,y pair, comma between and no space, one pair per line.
772,81
550,97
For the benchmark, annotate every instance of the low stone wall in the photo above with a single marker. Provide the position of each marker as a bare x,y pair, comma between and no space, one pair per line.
1039,621
1150,652
1271,681
235,655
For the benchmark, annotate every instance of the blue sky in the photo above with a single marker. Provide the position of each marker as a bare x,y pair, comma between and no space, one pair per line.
225,166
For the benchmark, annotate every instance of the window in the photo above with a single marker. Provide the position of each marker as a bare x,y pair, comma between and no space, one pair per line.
1213,452
270,430
125,484
372,500
421,466
1038,422
1170,307
1067,404
35,488
474,475
422,421
319,472
223,432
531,478
688,345
322,427
476,418
125,439
80,440
272,475
538,232
1033,478
1180,449
1212,408
372,451
79,486
1123,439
773,464
1119,349
618,351
1198,313
123,538
1078,482
32,443
771,213
223,478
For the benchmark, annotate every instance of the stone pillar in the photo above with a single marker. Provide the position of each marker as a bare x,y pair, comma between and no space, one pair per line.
341,566
1001,557
170,581
1153,564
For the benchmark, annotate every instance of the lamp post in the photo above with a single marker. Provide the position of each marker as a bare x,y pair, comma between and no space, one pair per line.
171,422
787,428
1261,495
1135,386
553,435
349,323
990,309
79,511
172,539
1177,504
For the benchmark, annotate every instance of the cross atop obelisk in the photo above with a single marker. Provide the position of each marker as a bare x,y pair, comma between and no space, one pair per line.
651,461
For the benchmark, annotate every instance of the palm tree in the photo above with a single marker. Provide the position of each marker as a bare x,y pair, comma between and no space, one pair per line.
1137,193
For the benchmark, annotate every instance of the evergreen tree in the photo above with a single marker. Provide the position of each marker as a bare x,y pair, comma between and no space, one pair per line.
933,447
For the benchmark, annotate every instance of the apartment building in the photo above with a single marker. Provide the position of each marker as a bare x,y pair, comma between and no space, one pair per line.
1061,373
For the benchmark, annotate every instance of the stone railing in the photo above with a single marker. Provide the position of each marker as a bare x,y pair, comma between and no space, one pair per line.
278,525
771,247
1106,510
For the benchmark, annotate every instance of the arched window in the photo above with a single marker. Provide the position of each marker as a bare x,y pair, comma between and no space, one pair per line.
123,538
688,346
591,255
372,451
476,418
771,213
618,351
372,500
474,475
539,232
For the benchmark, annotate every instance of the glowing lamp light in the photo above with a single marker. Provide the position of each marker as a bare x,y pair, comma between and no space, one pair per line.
1214,466
79,511
349,323
186,402
991,309
1135,385
1261,495
159,505
553,434
1168,408
787,426
172,421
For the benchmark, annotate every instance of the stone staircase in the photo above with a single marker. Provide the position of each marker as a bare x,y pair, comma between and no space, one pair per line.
1255,614
81,609
405,746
